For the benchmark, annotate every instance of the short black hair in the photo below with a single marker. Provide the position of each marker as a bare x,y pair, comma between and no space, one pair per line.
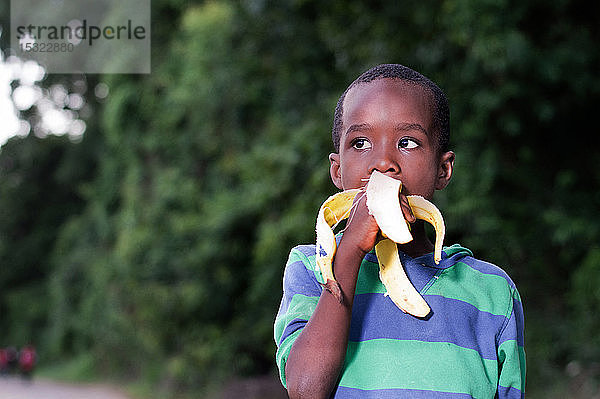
441,113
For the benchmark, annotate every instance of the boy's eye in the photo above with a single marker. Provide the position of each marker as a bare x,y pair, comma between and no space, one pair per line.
361,144
407,143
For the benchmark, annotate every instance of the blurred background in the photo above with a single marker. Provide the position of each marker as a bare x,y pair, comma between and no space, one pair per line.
145,220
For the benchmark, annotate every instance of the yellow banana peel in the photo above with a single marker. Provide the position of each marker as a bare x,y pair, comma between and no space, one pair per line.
396,282
425,210
335,209
383,203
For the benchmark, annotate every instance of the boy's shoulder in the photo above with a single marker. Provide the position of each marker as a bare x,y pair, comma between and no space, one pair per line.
305,250
302,259
462,255
482,285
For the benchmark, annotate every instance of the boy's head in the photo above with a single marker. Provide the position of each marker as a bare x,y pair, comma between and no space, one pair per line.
440,109
393,120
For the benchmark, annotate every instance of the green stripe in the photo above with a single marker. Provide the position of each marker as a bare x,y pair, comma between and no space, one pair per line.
368,279
283,352
516,295
513,371
464,283
310,263
297,256
301,307
436,366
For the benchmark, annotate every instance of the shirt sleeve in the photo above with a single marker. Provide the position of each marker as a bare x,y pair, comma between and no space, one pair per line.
301,292
511,352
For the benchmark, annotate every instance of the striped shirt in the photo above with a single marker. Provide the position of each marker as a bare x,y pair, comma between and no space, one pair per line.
471,346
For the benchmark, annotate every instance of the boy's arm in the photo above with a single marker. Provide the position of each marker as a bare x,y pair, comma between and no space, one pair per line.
511,353
317,356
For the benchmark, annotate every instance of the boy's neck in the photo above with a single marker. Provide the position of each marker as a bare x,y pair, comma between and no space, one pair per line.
420,244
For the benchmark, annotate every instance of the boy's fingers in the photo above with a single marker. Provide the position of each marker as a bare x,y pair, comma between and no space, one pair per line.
406,209
379,237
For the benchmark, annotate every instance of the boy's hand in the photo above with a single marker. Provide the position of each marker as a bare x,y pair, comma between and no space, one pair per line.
406,209
362,231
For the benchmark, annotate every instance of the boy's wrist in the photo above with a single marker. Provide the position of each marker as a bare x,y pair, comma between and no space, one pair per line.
346,265
355,247
350,253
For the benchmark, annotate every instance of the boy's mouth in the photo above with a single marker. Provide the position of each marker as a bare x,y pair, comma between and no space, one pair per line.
365,181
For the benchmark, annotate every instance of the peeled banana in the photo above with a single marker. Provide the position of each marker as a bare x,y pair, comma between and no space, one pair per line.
383,203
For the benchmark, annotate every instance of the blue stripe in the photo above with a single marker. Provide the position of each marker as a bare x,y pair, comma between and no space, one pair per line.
487,268
354,393
307,250
376,316
514,325
297,280
510,393
371,257
290,328
418,271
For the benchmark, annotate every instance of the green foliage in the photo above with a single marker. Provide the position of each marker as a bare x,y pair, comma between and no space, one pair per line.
39,189
167,263
586,304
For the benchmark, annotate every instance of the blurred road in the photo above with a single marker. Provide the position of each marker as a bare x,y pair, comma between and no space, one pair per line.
17,388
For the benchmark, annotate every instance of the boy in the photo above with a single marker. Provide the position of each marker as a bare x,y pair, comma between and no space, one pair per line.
394,120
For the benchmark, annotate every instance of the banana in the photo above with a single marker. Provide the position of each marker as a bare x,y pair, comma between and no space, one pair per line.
396,282
335,209
425,210
383,203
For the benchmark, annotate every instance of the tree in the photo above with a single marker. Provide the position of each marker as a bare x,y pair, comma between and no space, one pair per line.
39,190
209,169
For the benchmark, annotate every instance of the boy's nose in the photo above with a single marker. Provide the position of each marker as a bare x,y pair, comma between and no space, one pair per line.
385,163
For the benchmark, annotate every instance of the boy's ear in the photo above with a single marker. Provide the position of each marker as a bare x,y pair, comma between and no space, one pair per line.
445,169
335,170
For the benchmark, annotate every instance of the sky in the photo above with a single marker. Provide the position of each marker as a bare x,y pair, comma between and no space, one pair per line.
53,109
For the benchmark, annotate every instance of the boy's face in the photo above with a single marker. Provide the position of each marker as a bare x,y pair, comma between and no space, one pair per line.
387,126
